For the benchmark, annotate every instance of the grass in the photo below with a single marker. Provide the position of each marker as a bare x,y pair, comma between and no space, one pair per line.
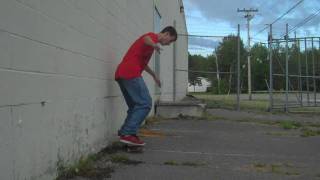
290,124
87,166
279,133
193,164
185,163
229,102
306,129
306,132
84,167
259,102
123,159
276,168
260,167
171,163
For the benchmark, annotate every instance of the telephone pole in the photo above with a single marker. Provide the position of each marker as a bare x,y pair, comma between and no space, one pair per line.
249,15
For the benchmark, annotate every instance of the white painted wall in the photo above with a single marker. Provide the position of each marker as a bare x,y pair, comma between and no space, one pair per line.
58,99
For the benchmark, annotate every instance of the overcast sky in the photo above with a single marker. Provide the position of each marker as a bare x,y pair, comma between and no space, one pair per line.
220,17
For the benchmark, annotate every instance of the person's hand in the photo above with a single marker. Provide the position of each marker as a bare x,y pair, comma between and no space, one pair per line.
157,48
158,82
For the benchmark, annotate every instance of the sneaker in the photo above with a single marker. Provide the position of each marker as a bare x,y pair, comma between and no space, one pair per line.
132,140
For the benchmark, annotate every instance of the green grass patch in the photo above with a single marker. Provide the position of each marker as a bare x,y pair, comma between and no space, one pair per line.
290,124
276,168
306,132
260,167
277,133
171,163
306,129
259,102
192,164
264,122
185,163
123,159
84,167
313,125
87,166
229,102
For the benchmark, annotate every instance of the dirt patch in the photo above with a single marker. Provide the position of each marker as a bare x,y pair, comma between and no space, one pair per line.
151,133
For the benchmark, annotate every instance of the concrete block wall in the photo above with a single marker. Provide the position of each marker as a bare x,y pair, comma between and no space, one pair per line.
58,99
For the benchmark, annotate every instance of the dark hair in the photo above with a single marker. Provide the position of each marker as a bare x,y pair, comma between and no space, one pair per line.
171,30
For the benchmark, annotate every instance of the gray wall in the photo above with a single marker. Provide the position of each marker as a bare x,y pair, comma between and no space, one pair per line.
58,99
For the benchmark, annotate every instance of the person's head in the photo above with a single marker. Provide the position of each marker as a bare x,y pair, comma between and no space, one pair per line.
167,36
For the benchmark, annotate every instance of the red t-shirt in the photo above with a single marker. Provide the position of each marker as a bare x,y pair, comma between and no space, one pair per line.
136,59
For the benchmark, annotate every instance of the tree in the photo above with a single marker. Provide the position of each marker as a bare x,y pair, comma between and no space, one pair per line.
227,53
196,63
260,67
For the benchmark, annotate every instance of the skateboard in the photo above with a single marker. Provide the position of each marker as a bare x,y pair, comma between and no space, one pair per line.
133,148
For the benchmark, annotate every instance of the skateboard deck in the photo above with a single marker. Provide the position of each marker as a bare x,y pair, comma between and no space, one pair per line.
133,148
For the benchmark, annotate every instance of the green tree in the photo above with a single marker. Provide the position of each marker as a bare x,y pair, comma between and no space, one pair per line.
196,63
227,53
259,67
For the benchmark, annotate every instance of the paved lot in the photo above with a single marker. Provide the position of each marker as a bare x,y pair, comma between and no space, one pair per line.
223,149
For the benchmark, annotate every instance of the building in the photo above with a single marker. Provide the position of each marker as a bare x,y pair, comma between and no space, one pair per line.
58,98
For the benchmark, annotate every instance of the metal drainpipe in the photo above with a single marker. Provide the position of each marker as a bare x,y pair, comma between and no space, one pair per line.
174,66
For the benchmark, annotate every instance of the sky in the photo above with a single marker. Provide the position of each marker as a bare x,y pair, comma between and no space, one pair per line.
220,18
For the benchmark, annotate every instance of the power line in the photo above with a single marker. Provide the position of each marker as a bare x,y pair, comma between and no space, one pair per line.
280,17
306,20
303,22
287,12
193,35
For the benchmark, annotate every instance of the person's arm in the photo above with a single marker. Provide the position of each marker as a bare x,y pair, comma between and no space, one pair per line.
156,79
148,41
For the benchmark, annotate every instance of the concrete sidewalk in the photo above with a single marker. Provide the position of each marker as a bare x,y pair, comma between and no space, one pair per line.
221,149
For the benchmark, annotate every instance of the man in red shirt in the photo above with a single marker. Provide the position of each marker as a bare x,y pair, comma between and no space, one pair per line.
135,92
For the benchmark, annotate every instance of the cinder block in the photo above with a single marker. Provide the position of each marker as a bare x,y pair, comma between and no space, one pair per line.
6,144
5,50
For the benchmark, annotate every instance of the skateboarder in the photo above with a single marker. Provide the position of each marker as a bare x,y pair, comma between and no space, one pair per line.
132,85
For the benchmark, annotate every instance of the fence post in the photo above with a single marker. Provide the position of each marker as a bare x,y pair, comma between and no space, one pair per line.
300,74
307,69
314,74
238,70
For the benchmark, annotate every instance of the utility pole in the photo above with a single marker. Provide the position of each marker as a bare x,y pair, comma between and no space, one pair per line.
217,69
249,15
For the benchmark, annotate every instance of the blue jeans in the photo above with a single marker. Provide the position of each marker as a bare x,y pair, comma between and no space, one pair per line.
137,97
